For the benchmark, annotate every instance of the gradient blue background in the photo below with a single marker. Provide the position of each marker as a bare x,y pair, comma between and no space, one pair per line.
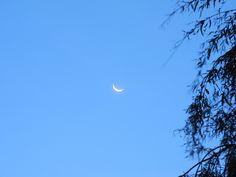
58,114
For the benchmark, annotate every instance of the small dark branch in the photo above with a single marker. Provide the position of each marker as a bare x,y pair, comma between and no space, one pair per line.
199,26
180,9
204,159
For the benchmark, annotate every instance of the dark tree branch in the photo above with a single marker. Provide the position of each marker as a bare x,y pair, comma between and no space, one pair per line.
204,159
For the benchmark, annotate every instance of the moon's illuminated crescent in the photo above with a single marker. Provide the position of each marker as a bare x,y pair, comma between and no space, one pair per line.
116,89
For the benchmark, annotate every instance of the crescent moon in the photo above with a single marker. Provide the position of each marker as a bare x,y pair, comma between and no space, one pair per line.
117,89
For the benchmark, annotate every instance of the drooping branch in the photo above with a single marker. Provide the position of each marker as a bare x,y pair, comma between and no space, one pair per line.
222,148
212,113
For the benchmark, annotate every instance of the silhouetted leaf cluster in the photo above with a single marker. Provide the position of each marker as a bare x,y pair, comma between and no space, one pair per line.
212,113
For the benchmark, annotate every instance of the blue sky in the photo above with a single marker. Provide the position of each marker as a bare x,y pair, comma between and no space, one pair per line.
59,116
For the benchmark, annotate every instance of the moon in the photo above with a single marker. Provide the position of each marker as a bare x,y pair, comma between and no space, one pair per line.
117,89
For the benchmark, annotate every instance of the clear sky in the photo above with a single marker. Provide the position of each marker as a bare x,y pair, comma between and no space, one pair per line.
59,116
